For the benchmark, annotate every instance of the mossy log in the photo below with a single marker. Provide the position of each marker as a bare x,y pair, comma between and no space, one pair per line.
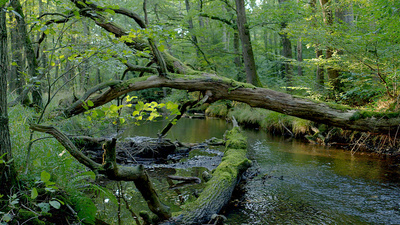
219,188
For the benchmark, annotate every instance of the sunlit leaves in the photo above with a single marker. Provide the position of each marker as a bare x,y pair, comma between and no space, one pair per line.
141,111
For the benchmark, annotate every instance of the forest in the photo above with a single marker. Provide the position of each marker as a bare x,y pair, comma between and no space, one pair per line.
76,74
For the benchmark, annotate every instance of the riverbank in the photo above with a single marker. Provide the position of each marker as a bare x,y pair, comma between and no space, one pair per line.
280,124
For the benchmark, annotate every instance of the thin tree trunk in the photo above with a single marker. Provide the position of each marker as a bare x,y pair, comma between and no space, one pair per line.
17,80
146,19
286,52
247,49
238,59
30,55
299,57
333,74
320,73
8,173
190,22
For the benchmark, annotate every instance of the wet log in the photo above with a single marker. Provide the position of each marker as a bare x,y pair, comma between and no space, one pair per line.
219,188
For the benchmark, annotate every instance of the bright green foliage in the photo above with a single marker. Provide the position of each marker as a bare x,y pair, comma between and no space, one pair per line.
141,111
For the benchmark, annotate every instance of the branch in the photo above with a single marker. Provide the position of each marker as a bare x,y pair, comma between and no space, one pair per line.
64,20
228,22
68,145
79,102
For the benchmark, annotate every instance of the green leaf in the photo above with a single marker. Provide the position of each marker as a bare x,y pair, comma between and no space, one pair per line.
55,204
121,120
45,176
45,207
112,12
90,103
7,218
34,193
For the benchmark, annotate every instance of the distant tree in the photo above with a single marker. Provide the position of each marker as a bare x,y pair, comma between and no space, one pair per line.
247,49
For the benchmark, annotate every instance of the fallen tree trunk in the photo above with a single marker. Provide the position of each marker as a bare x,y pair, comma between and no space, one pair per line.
222,88
219,188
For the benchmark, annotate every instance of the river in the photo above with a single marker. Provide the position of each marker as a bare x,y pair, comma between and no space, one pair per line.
301,183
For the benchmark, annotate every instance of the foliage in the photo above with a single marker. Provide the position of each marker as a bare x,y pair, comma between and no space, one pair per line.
142,111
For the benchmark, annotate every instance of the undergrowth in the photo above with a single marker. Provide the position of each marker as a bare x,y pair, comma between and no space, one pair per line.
55,185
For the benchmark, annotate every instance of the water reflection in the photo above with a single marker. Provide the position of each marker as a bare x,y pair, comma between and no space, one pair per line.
186,130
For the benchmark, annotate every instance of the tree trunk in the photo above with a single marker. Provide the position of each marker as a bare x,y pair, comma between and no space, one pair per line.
30,55
287,53
8,173
333,74
219,189
299,57
320,73
17,80
247,49
240,76
190,22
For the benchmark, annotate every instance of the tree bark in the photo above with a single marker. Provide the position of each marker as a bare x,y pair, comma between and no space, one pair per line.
247,49
8,173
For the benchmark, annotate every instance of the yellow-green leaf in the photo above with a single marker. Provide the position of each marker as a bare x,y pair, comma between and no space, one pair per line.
34,193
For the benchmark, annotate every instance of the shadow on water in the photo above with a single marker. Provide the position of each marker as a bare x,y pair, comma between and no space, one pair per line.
298,183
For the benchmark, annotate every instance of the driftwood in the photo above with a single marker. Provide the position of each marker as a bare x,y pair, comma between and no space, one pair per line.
220,187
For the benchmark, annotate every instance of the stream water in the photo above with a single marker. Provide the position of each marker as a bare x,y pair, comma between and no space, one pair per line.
301,183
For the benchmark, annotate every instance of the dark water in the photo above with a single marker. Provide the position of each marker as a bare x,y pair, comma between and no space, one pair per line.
303,183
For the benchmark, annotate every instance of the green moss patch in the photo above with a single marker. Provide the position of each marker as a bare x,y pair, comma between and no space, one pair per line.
361,114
